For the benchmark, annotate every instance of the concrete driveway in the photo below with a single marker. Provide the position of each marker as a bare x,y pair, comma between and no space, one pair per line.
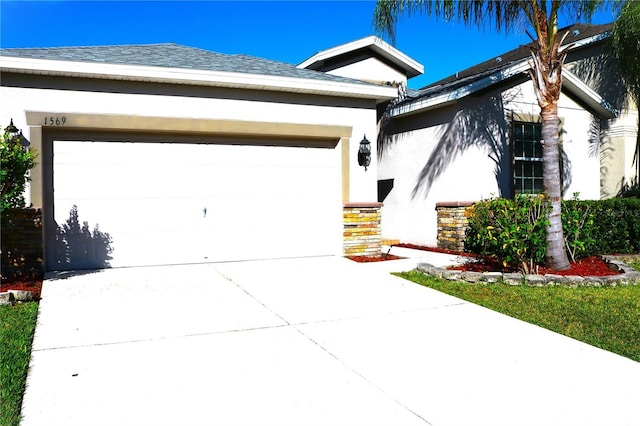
317,341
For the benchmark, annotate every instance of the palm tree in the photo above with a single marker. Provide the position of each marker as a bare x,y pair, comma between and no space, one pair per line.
547,59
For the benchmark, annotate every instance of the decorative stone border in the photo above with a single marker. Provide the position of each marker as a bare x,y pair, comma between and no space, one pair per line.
12,297
628,276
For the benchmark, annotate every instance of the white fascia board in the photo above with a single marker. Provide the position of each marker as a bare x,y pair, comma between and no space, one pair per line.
196,77
587,95
378,45
459,93
588,40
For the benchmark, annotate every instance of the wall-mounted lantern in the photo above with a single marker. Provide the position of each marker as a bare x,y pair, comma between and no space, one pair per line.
16,135
364,153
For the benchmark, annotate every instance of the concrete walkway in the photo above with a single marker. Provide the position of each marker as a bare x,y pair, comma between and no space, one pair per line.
318,341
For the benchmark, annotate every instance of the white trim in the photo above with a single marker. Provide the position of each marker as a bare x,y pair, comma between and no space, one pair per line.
195,77
452,96
412,67
587,95
587,40
570,82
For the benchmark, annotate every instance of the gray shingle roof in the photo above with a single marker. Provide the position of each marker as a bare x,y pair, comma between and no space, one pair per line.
493,67
173,56
578,32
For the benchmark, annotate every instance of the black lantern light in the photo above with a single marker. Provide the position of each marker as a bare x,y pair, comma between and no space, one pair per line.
364,153
16,135
11,130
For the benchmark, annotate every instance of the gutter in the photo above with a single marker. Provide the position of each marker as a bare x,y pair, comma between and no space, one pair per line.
195,77
451,96
570,82
587,95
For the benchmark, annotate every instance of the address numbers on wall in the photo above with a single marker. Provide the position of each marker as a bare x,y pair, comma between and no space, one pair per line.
55,120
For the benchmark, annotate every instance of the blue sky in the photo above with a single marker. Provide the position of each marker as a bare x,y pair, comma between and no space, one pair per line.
287,31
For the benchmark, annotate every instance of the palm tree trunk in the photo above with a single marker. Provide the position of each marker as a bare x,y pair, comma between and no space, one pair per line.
556,254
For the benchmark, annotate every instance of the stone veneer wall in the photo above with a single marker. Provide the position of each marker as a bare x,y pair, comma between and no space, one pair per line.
22,250
361,232
453,221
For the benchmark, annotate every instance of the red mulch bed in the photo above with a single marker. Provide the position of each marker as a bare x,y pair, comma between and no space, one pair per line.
29,284
590,266
369,259
587,267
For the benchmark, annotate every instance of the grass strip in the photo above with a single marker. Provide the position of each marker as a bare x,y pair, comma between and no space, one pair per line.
17,325
606,317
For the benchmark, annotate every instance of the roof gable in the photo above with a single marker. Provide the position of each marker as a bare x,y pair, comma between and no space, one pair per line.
363,48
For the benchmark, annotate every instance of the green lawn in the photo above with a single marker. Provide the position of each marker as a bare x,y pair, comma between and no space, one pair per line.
16,335
606,317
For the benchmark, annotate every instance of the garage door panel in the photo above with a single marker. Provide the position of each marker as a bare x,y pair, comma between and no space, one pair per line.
165,203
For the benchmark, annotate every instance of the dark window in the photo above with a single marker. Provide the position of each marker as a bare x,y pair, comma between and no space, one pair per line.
527,157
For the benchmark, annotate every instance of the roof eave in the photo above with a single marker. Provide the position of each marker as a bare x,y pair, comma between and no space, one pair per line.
449,97
570,82
587,95
195,77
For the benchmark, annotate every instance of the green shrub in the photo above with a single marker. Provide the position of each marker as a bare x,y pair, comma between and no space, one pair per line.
616,226
577,227
513,230
15,162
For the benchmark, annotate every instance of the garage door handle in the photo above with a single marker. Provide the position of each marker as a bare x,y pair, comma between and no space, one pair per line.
204,211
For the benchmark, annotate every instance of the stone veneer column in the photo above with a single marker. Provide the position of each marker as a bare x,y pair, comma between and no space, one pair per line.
361,234
22,251
453,221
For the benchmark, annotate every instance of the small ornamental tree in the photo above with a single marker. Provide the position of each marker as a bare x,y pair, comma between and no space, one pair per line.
15,162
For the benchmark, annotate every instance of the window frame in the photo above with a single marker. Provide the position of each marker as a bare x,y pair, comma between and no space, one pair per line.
515,189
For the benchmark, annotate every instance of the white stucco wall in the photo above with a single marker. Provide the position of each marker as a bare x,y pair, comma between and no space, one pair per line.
254,106
452,154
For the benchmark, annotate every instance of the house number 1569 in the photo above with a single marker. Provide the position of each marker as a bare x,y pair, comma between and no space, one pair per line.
55,121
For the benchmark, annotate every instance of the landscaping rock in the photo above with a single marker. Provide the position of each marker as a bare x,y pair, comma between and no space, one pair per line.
553,279
573,280
593,282
492,277
513,278
6,299
535,280
629,276
22,295
431,270
471,277
424,266
452,275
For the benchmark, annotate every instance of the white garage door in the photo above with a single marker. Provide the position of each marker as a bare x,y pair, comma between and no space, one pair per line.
171,203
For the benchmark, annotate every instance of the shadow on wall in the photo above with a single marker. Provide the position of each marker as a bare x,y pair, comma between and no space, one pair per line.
79,247
600,72
479,122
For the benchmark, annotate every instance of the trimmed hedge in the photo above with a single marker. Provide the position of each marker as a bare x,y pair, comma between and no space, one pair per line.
615,226
513,231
